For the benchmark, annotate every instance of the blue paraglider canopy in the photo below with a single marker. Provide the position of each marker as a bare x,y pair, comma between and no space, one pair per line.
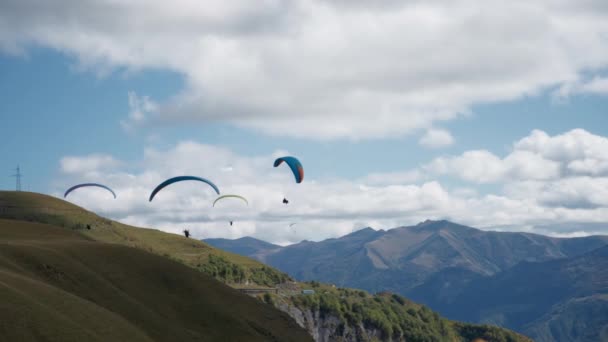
86,185
294,165
180,179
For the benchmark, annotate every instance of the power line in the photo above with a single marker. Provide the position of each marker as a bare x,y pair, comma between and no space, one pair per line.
17,176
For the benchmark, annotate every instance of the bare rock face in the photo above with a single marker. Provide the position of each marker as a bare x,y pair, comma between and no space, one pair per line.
328,328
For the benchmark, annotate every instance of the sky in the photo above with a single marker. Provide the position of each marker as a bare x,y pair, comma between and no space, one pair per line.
486,113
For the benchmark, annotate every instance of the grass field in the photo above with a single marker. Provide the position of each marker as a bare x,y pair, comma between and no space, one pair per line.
34,207
58,285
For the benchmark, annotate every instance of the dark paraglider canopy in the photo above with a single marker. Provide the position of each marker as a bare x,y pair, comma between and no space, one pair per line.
294,165
87,185
285,201
180,179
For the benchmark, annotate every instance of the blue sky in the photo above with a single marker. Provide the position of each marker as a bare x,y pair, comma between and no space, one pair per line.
353,99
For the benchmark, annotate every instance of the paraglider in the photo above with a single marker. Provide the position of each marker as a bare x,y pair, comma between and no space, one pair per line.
186,233
294,165
87,185
291,226
180,179
230,196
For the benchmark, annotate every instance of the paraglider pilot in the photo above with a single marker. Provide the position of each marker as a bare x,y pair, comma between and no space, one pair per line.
285,201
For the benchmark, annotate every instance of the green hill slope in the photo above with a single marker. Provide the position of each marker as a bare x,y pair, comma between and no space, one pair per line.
340,314
58,285
227,267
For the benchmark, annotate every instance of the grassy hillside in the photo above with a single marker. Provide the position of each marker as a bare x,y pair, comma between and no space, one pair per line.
227,267
58,285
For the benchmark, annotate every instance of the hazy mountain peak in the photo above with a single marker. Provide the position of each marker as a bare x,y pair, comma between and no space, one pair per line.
439,224
426,222
442,228
252,239
363,231
245,246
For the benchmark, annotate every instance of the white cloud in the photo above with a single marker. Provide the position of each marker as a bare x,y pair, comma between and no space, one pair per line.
535,194
475,166
88,164
140,109
325,69
580,151
572,192
535,157
589,166
436,138
548,179
386,178
597,85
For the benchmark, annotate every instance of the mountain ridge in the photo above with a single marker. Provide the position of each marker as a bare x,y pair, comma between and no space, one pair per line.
437,263
428,247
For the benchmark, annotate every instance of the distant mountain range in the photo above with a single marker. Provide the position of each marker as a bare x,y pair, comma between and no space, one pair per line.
552,289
